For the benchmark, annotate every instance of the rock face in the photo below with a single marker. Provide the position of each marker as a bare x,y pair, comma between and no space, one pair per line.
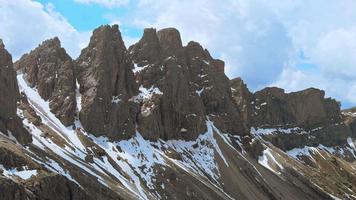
9,121
47,186
309,110
50,69
273,107
104,72
55,187
8,87
308,107
179,87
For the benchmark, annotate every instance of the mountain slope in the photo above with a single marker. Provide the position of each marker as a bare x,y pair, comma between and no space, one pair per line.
160,120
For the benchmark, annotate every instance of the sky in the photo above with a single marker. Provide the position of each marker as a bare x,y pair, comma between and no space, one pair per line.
292,44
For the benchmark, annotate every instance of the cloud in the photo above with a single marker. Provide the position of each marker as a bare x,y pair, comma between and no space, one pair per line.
25,24
290,43
106,3
293,79
335,53
251,39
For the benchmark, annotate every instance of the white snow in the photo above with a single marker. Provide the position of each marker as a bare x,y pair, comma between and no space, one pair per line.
23,174
137,158
351,143
200,91
198,156
115,99
42,108
183,130
138,69
146,94
269,131
266,158
78,96
264,103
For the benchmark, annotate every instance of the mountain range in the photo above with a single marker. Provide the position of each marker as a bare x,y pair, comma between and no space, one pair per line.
160,120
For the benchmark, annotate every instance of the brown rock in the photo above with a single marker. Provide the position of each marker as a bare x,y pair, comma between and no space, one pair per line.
9,121
8,85
308,107
193,87
11,190
55,187
50,69
169,39
106,84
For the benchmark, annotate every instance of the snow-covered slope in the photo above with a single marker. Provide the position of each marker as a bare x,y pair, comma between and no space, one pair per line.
214,166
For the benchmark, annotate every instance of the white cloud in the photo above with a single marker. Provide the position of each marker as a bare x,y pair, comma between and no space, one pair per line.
25,24
106,3
262,41
250,38
335,53
293,79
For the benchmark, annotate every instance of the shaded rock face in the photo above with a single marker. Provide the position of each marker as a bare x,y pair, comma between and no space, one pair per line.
50,69
44,186
185,84
318,116
55,187
8,85
104,72
9,121
308,107
273,107
11,190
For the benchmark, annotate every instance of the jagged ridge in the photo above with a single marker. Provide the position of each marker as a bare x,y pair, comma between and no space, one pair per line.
160,120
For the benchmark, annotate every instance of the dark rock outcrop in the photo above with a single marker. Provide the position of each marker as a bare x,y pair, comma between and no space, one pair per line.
43,186
55,187
319,117
11,190
273,107
184,85
104,72
10,123
50,69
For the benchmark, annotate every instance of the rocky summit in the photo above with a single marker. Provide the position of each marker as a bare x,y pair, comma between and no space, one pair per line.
161,120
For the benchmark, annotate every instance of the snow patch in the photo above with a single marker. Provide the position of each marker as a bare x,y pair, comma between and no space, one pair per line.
270,131
23,174
267,158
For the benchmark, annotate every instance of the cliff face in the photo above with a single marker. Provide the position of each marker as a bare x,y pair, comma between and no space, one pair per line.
181,85
104,72
50,70
9,122
316,119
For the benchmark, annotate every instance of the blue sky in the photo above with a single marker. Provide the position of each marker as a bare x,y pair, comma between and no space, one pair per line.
293,44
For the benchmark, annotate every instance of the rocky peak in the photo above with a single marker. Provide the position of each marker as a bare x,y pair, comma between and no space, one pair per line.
9,121
104,72
8,85
169,39
50,69
191,87
242,97
2,46
272,106
148,49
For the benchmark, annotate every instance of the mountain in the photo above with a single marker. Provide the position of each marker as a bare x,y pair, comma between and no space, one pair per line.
160,120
